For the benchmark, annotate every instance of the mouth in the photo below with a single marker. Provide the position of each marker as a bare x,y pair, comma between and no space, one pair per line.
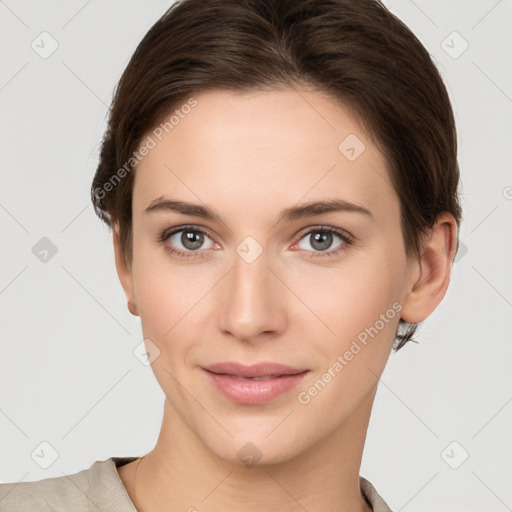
238,377
263,370
253,385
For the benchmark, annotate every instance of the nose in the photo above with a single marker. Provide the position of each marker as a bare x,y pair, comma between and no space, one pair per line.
253,299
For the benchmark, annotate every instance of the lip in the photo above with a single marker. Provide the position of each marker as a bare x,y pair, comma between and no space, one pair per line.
255,370
234,381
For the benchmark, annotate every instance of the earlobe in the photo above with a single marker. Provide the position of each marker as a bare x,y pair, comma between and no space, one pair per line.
132,308
428,287
124,272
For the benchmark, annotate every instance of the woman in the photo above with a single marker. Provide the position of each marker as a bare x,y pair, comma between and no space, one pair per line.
280,177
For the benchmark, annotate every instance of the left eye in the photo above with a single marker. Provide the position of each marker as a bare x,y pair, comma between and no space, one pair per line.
322,239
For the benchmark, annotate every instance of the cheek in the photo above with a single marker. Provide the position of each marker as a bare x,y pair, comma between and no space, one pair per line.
172,298
352,296
362,311
171,302
360,304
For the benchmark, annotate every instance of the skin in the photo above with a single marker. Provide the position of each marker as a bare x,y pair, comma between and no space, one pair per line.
248,156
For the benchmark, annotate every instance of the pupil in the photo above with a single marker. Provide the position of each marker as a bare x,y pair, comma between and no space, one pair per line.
323,239
192,240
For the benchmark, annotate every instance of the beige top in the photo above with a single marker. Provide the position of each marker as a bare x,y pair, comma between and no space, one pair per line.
99,488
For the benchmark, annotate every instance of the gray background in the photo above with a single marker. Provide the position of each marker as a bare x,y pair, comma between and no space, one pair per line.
68,375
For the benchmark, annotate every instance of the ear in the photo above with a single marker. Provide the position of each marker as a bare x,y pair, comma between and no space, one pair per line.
124,271
433,270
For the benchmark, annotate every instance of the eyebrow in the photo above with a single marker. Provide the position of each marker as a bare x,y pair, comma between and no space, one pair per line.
289,214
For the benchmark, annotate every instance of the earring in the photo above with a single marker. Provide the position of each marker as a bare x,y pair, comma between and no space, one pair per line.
132,308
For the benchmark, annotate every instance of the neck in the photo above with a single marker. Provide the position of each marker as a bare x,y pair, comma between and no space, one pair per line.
181,473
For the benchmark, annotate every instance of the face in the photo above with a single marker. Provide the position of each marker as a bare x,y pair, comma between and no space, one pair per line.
264,279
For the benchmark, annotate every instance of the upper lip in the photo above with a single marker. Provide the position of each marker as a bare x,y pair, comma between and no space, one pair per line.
256,370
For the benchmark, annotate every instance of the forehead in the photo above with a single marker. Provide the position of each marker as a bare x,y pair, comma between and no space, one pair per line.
255,151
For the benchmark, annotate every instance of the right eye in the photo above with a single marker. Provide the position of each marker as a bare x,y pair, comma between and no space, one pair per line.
185,241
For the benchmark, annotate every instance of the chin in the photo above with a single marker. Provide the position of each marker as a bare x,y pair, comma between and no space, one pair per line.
253,447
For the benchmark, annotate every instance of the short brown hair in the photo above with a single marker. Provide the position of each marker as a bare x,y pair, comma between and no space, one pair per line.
356,51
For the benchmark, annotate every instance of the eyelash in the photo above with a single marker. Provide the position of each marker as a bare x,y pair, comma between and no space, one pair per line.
346,238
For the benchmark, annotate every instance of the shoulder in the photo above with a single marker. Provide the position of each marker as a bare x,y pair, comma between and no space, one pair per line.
98,487
48,495
372,496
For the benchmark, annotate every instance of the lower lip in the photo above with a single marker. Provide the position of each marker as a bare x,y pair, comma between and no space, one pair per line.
253,392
